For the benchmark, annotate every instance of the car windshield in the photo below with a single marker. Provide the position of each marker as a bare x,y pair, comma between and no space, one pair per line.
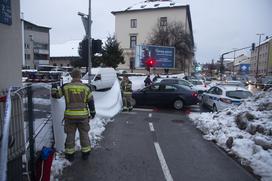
195,82
238,94
86,77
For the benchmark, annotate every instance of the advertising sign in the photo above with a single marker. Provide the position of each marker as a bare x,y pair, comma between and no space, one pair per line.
5,12
244,68
164,57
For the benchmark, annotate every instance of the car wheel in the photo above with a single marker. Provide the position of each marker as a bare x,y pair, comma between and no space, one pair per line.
214,108
178,104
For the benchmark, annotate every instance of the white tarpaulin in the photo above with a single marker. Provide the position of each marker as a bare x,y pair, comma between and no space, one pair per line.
107,105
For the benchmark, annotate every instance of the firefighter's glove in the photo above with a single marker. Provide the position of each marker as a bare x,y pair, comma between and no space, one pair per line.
54,85
93,114
54,93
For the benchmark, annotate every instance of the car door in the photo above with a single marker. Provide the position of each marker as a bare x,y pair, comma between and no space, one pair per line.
151,95
166,95
207,96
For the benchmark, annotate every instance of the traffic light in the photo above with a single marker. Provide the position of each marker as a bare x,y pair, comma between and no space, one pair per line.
96,46
150,62
253,46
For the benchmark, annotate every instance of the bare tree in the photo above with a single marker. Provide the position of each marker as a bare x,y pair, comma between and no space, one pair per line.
174,34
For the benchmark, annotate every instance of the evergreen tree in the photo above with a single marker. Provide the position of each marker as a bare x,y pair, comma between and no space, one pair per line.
112,54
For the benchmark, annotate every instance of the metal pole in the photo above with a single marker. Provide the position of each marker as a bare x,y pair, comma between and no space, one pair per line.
31,131
257,68
89,36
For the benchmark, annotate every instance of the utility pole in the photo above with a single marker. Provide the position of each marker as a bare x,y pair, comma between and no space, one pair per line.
90,42
87,23
257,68
233,60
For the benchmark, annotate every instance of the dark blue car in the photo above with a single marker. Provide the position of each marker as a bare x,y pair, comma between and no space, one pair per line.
164,94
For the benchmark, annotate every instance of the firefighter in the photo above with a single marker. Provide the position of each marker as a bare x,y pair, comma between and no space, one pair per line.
79,109
126,88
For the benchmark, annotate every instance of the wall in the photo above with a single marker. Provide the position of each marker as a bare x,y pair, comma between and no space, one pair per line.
146,21
11,50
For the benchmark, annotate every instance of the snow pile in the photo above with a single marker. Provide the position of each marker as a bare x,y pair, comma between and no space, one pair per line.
245,131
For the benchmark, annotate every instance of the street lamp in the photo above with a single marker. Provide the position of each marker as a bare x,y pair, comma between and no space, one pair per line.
257,68
234,51
87,23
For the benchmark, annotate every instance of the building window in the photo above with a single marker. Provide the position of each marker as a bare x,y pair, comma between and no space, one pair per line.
27,56
133,41
133,23
26,46
163,21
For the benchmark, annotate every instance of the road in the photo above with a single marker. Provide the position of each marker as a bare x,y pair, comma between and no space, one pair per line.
155,145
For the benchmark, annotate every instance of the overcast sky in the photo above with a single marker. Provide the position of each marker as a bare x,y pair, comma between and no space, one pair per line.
218,25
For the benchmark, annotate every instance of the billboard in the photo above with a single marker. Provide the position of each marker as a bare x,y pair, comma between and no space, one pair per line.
164,57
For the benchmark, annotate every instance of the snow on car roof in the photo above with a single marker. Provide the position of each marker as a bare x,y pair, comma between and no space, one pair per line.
231,87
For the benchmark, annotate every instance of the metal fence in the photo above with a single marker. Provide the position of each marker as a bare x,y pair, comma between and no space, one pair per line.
30,128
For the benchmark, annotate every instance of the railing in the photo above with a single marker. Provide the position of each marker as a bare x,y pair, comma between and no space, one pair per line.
29,112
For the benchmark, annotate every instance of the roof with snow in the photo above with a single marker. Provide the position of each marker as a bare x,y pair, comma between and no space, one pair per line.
266,40
35,24
67,49
150,5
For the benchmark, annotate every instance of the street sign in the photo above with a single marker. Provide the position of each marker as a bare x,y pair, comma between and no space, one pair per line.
244,68
5,12
164,57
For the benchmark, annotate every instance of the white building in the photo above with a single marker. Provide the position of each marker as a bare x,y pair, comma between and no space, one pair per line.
11,46
134,25
265,58
63,54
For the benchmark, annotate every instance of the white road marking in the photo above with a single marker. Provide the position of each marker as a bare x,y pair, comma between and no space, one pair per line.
150,115
165,169
151,127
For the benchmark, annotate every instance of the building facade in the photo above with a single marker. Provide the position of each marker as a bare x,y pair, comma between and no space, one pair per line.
265,58
134,25
36,45
65,53
11,46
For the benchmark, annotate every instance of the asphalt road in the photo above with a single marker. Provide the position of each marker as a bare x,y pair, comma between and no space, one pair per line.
155,146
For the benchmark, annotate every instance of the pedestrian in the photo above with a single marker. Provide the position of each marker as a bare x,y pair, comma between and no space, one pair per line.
156,78
147,80
126,88
79,109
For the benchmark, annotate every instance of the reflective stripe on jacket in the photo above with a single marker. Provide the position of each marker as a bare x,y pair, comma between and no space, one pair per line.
126,87
77,95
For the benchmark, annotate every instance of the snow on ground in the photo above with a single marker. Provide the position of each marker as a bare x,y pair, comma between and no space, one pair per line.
245,131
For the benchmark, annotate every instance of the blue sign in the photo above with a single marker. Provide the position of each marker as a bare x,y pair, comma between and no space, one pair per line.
164,57
244,68
5,12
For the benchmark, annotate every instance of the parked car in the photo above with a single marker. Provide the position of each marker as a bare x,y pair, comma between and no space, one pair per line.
267,85
200,85
235,83
223,96
177,81
166,94
101,78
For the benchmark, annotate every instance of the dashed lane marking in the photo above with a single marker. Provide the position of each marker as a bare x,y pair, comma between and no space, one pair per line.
165,169
151,127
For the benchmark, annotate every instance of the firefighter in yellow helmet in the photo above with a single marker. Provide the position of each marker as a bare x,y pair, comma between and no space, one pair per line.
126,88
79,109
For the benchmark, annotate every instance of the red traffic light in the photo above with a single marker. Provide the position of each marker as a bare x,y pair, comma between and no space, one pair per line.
150,62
